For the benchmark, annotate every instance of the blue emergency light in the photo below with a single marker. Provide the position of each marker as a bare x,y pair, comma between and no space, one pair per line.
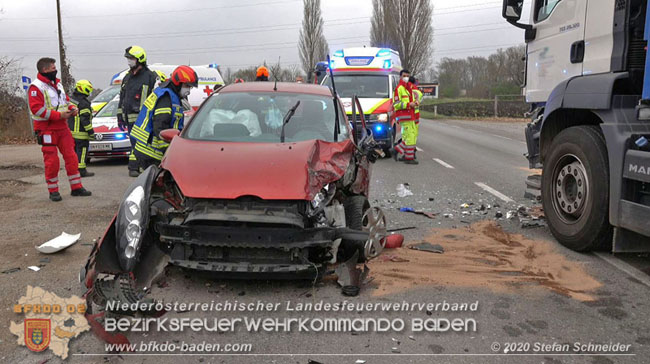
120,136
378,128
383,52
338,53
387,64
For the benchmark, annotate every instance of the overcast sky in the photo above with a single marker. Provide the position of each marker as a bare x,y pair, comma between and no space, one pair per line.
230,33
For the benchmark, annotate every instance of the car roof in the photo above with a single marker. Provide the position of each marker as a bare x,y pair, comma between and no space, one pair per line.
268,86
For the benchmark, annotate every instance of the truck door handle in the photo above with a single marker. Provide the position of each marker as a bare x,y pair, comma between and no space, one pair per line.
578,51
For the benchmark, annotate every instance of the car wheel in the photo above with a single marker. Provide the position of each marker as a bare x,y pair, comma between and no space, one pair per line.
355,207
575,189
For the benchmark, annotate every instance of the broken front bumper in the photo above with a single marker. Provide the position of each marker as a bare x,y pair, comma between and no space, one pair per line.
292,251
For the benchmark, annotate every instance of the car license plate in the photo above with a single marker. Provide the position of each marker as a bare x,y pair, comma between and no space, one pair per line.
100,146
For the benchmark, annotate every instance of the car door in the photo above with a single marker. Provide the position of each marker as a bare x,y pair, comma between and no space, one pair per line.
560,29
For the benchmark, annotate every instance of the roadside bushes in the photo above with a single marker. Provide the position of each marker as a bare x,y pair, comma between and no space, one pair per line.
506,108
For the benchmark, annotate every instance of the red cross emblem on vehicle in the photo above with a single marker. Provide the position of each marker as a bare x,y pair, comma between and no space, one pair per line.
207,90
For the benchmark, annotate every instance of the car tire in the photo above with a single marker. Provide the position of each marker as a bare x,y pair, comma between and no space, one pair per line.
355,207
575,189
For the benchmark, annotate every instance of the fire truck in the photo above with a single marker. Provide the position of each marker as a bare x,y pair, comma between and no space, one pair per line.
371,74
588,83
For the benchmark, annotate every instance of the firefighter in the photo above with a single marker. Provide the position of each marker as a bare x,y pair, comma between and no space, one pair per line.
417,97
50,109
81,124
404,105
136,86
162,110
262,74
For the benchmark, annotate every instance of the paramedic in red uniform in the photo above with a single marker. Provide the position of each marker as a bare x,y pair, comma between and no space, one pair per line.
50,109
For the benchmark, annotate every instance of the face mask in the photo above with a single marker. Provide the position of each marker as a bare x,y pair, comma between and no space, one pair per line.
405,79
50,75
132,62
185,91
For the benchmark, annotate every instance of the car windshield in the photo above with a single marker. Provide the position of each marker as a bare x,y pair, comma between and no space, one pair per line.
108,94
369,86
110,110
257,117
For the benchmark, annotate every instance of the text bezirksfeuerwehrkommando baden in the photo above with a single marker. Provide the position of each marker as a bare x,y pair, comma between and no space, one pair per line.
290,306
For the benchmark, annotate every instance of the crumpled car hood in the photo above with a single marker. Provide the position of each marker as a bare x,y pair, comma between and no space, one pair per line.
271,171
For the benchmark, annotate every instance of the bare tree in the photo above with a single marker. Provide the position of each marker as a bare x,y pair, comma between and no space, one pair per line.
312,45
406,26
14,120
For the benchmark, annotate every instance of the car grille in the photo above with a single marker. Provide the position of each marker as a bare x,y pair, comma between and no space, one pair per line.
110,137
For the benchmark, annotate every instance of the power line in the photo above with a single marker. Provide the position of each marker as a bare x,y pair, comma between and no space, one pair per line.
466,11
467,6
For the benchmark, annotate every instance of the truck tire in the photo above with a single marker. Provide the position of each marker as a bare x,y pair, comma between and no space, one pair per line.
355,207
575,189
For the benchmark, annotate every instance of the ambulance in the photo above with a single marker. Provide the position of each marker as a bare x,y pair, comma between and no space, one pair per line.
371,74
111,141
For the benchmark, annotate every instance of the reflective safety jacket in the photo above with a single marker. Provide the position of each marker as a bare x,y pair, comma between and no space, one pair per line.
81,124
47,99
135,88
157,114
401,99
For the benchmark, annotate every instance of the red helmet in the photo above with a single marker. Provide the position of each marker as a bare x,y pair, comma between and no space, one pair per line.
262,71
185,75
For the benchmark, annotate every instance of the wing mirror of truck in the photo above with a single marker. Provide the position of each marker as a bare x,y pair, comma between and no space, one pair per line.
169,134
512,10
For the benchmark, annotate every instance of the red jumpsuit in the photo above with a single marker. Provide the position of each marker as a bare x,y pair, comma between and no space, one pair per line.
47,100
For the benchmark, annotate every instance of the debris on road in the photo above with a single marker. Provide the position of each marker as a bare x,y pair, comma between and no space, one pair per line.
449,216
359,361
428,247
403,190
11,270
510,215
532,223
498,215
59,243
44,260
395,350
351,278
401,229
430,215
34,268
391,258
393,241
464,206
477,256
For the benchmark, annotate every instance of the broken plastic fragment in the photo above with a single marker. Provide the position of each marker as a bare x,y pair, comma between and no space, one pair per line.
403,190
34,268
59,243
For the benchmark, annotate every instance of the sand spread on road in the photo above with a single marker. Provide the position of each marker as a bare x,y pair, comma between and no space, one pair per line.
482,255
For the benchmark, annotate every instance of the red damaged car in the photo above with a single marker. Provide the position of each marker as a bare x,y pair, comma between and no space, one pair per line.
266,180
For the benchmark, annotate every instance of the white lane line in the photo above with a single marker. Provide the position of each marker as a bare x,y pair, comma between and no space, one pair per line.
419,149
625,268
494,192
443,163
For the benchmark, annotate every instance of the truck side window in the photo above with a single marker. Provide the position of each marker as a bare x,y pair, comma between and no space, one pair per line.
544,8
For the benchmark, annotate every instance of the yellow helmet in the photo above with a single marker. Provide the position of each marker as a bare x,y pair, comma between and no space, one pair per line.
84,87
161,75
136,52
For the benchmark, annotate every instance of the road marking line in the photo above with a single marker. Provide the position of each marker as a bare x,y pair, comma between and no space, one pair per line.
625,268
419,149
494,192
443,163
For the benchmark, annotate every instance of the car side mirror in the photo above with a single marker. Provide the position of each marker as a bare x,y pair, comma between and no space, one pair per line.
169,134
512,10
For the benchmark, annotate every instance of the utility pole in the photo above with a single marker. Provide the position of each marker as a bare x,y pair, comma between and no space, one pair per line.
66,79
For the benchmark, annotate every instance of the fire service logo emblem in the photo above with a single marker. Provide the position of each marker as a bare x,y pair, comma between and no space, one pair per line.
37,334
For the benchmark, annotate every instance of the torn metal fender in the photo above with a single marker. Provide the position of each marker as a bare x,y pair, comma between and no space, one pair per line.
103,257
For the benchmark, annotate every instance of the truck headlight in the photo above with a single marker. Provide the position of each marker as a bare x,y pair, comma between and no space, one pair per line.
382,117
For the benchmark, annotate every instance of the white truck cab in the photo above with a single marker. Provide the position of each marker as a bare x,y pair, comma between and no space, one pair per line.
585,69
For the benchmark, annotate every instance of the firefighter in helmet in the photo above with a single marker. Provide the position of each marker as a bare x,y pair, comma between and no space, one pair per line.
81,124
136,87
162,110
262,74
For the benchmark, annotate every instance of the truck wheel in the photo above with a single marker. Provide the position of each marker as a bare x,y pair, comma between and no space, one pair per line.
575,189
355,207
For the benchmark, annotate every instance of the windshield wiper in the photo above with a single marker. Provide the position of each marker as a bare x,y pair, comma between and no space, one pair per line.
286,119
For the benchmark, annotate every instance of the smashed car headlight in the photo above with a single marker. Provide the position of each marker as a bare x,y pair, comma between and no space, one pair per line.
133,219
133,204
323,197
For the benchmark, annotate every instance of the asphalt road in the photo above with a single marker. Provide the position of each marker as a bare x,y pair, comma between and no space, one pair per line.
461,162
